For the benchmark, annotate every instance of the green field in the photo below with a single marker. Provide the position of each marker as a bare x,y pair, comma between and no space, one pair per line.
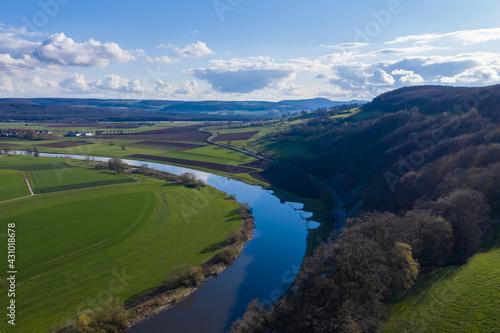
56,174
12,185
453,299
76,249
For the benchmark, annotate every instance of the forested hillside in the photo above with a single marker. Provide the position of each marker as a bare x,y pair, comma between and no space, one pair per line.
421,181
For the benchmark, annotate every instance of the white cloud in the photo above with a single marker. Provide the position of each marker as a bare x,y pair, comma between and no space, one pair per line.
6,83
39,83
61,50
245,75
412,79
401,72
488,74
76,83
341,57
161,60
19,31
116,83
16,47
113,83
381,77
189,88
164,88
195,50
408,77
463,36
346,46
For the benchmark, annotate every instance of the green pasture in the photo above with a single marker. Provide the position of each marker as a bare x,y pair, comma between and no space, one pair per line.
453,299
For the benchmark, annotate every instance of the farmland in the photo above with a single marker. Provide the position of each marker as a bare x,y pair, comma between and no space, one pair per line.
52,175
81,247
185,145
12,185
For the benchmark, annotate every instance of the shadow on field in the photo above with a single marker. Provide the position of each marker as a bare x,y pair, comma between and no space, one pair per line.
492,239
214,247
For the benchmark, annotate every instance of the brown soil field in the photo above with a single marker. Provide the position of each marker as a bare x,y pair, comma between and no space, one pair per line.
235,169
175,145
236,136
66,144
184,133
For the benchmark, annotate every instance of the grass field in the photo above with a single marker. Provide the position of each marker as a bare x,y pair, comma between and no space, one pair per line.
12,185
454,299
76,249
55,174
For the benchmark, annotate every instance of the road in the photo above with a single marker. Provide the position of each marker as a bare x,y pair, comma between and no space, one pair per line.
338,211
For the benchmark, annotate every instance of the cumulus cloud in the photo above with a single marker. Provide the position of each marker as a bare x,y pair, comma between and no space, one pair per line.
244,75
408,77
76,83
6,83
195,50
412,79
164,88
381,77
487,74
61,50
114,83
189,88
16,47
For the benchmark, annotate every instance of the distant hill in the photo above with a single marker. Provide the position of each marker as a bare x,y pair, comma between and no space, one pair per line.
317,103
438,99
59,109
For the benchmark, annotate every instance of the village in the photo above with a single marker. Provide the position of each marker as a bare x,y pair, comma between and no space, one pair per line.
42,134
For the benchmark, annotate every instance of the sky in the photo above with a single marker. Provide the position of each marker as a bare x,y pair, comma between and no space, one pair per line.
244,49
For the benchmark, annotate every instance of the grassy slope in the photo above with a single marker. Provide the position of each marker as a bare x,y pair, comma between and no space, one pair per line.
51,175
12,185
454,299
183,226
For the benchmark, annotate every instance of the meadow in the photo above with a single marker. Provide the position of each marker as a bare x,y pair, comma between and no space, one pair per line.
453,299
78,248
12,185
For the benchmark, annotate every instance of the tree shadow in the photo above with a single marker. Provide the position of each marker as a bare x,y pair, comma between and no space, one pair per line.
214,247
492,238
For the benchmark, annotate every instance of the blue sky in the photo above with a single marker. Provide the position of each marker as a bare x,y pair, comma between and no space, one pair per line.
242,49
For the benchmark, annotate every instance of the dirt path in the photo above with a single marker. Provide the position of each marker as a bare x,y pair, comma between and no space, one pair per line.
28,183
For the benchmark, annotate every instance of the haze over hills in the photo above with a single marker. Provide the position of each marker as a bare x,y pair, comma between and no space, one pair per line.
53,109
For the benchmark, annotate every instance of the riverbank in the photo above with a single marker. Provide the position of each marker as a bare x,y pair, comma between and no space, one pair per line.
161,299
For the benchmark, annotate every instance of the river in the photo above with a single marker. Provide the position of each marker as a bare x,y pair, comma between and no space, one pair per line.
268,265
